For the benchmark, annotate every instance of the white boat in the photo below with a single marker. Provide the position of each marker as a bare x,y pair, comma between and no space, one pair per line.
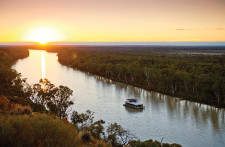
133,103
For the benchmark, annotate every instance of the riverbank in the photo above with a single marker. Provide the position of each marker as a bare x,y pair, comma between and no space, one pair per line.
190,73
198,78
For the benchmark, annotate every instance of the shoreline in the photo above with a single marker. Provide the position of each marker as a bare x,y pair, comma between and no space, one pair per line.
181,99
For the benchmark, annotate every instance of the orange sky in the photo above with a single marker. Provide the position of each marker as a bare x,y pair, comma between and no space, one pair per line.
112,20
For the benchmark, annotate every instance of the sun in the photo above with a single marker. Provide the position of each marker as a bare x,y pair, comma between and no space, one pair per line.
43,35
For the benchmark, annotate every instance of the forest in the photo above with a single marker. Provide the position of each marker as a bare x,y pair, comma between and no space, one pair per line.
36,115
177,71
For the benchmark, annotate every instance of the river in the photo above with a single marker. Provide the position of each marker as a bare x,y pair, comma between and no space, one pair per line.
187,123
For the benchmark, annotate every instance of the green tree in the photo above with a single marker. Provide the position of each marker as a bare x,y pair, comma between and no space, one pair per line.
97,129
83,120
43,91
118,135
61,99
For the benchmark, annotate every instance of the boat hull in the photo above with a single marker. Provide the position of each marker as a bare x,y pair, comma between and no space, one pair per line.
130,106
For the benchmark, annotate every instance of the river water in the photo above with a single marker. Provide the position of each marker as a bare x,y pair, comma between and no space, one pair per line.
187,123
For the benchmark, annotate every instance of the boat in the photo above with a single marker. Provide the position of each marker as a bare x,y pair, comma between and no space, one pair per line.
133,103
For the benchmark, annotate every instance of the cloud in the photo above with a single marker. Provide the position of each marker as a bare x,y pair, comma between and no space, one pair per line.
184,29
219,29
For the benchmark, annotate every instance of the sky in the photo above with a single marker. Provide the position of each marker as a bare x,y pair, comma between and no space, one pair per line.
112,20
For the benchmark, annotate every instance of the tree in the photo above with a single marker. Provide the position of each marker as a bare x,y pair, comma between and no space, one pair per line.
117,134
56,99
43,91
61,99
218,91
187,76
97,129
75,118
84,119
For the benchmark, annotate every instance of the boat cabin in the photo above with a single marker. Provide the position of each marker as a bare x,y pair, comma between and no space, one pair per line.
133,103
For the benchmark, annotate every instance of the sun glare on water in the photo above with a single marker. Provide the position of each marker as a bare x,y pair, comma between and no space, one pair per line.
43,75
43,65
43,35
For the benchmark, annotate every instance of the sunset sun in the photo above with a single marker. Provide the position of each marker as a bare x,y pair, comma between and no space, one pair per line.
43,35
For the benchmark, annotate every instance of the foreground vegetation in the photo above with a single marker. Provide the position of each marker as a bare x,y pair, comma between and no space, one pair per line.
199,78
37,130
36,115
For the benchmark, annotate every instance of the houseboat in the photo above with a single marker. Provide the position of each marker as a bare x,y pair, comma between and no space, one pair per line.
133,103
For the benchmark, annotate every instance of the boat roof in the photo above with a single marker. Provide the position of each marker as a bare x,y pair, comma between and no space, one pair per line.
134,103
132,100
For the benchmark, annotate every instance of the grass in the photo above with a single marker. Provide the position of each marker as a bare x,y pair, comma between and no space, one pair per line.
19,126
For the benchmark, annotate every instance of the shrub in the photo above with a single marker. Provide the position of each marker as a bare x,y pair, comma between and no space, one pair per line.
39,130
86,137
38,108
101,143
20,110
17,109
20,100
26,101
4,104
27,110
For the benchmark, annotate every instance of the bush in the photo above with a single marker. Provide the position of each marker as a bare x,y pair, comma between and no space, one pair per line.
20,110
101,143
86,137
27,110
26,101
38,108
39,130
17,109
4,104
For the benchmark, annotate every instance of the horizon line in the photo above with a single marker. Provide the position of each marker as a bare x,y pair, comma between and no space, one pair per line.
146,43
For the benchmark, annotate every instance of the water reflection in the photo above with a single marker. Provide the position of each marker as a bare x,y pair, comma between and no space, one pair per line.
43,64
133,110
176,108
174,119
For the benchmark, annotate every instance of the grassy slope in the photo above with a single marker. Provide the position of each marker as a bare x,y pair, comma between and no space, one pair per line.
39,130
